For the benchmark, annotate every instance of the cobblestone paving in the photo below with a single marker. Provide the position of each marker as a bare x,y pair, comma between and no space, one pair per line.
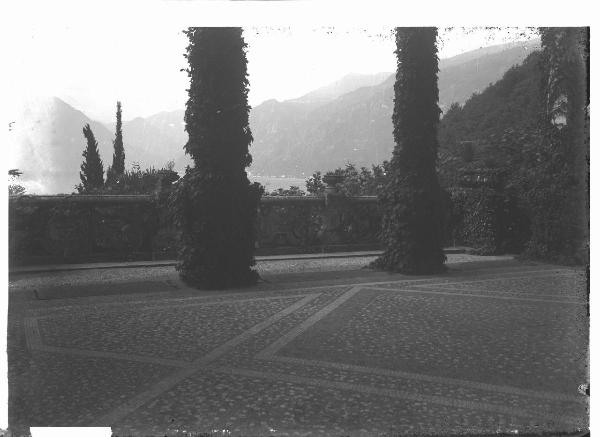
114,276
182,332
486,351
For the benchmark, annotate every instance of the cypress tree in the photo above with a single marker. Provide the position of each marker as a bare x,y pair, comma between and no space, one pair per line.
92,170
215,206
118,161
412,224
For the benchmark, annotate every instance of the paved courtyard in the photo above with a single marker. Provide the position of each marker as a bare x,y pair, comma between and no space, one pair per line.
496,347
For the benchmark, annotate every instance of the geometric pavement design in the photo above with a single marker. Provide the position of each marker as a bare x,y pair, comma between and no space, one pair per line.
315,339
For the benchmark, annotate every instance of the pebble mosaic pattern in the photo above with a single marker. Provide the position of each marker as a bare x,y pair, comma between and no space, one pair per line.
390,358
183,333
62,390
522,344
565,286
244,405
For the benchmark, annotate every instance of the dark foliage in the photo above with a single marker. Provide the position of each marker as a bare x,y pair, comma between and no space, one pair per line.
72,231
76,232
486,219
530,127
137,181
315,184
92,170
412,224
215,205
557,193
494,136
355,182
118,162
291,191
495,126
15,189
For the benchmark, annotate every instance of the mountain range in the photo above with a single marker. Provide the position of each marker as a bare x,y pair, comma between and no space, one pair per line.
348,121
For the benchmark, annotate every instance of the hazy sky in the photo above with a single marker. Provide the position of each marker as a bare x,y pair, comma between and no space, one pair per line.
92,63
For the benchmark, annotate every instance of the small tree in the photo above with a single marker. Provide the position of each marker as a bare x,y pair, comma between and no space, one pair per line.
412,224
215,206
92,171
15,189
315,184
118,162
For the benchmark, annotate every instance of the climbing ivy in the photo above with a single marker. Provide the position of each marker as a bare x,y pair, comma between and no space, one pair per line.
557,189
412,224
215,206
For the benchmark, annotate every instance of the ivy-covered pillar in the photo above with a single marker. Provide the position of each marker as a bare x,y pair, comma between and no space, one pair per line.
558,194
215,206
412,224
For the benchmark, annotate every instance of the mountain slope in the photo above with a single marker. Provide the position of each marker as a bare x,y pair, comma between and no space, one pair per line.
47,145
356,127
346,84
472,135
472,72
327,127
155,140
343,122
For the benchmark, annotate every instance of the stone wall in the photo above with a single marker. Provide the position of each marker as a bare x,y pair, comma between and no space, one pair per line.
88,228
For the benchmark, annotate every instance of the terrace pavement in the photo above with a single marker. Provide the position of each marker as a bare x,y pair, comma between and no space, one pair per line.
320,347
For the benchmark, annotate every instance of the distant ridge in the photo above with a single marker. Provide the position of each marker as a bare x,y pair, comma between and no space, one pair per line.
346,121
356,127
46,143
346,84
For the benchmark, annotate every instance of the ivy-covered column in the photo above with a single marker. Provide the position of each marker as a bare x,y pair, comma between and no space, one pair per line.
215,206
558,195
412,225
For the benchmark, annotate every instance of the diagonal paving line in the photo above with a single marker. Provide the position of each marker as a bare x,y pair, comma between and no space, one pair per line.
269,353
401,374
536,274
421,282
167,304
168,383
448,293
34,341
428,287
162,303
295,332
32,333
478,273
137,401
398,394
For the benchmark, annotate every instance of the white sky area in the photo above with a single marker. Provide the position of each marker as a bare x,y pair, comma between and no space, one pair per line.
91,65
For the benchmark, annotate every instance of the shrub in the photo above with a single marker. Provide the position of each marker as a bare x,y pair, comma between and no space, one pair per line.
137,181
363,182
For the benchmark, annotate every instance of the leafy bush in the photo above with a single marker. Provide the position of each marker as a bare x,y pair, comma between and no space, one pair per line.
15,189
291,191
363,182
137,181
